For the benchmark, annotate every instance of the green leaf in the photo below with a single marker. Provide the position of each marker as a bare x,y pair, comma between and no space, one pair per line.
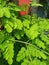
23,63
7,12
43,55
1,36
40,43
26,23
1,12
21,54
45,39
19,24
9,52
14,7
10,23
8,28
18,34
35,4
33,32
14,25
34,52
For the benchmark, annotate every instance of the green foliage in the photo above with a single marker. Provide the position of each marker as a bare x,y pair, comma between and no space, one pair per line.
1,37
8,28
1,12
30,56
6,12
35,3
26,23
18,34
8,51
40,43
29,32
37,34
7,46
45,39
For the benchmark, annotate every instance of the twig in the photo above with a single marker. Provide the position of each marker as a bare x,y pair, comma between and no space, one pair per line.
28,50
31,45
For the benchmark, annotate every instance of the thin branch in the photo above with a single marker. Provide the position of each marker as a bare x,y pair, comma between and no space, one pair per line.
29,51
31,45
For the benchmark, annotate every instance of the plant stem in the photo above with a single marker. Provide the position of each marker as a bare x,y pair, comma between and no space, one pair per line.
31,45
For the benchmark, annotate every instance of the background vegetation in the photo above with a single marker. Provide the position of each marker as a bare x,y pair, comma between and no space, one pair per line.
24,40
